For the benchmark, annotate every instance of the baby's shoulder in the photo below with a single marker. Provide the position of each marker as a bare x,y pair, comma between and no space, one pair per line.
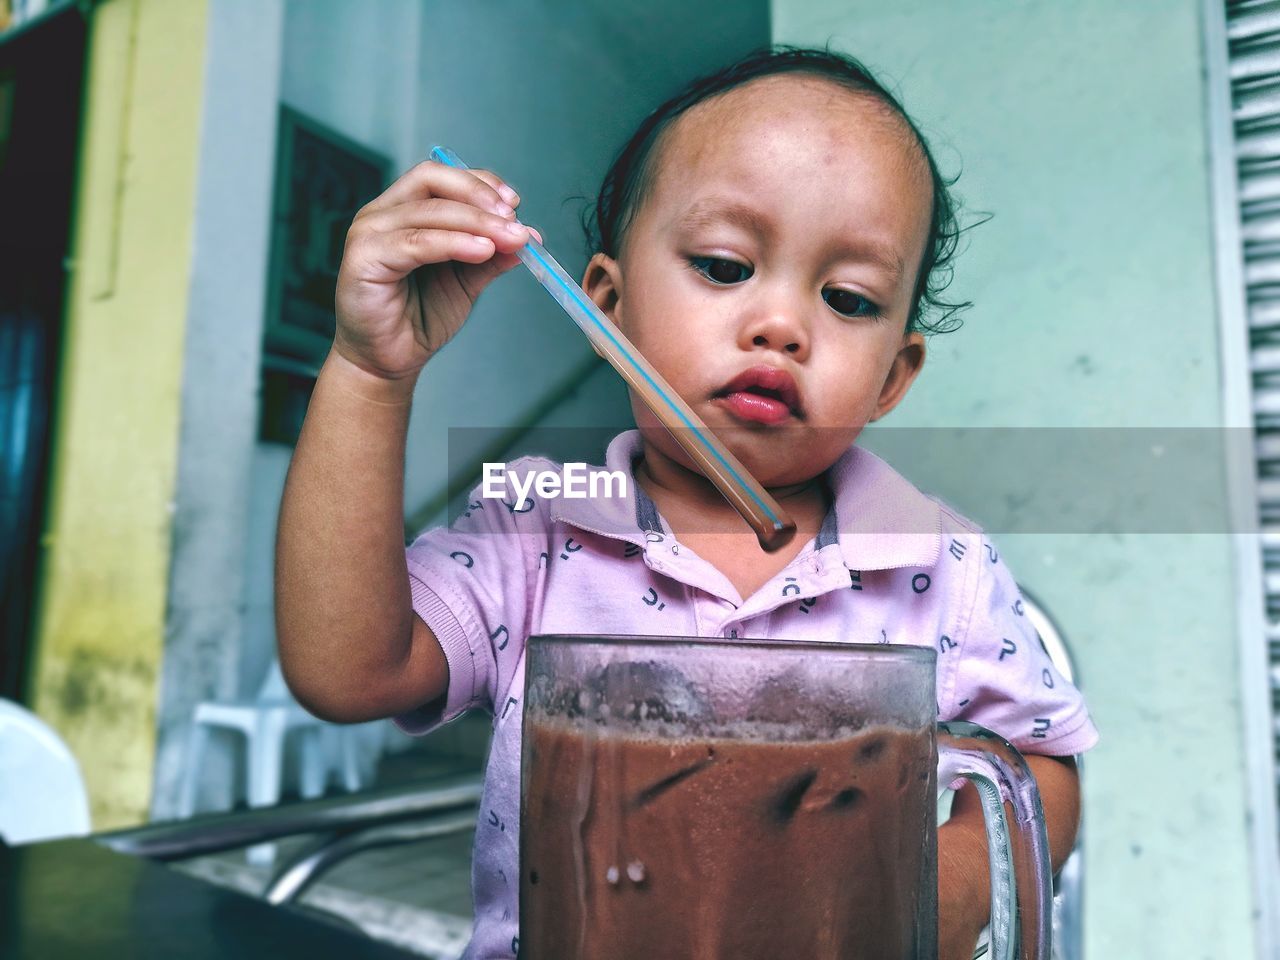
972,557
954,523
895,521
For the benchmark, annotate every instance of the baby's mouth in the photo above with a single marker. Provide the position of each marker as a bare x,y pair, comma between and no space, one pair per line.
762,394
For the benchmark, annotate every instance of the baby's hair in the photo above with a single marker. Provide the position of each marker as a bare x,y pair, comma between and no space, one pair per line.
628,179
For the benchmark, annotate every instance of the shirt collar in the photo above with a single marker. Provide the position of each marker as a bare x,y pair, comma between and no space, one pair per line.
879,520
628,517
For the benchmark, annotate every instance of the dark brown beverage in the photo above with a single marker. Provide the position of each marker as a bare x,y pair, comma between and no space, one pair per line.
726,849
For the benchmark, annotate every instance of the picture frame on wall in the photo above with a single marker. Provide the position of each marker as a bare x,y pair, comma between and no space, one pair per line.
322,179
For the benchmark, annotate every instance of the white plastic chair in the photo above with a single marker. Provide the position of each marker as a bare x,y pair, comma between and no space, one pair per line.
265,722
42,794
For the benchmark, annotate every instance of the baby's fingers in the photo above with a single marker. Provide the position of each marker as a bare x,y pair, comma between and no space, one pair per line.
403,251
504,189
427,223
503,262
440,213
431,179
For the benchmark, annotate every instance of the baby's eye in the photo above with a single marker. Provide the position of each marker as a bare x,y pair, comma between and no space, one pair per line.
720,271
849,303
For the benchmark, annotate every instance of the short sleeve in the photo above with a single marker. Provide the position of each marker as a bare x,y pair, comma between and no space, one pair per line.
1002,678
472,583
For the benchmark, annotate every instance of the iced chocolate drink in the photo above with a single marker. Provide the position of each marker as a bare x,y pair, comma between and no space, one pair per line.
725,849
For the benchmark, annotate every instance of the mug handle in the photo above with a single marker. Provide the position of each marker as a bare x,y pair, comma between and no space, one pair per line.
1021,873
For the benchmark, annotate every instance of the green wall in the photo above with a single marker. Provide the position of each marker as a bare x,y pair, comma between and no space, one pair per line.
1081,126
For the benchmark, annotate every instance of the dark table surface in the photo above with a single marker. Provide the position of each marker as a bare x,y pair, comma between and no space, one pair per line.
78,899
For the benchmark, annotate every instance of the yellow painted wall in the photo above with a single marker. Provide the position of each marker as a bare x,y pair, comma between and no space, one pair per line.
106,554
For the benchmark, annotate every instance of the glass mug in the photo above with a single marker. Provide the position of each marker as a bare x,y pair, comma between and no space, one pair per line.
689,798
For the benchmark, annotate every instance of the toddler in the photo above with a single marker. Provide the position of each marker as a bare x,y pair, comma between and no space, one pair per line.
774,240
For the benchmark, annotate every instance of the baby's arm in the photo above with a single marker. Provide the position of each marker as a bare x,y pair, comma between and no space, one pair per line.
964,879
350,644
415,260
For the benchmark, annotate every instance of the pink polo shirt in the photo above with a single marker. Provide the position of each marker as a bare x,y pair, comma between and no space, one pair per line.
890,565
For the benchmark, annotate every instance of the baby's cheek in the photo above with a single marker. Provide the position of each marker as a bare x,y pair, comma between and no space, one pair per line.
644,417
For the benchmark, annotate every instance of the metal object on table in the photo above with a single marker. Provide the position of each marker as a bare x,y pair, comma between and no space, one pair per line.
292,880
344,826
337,816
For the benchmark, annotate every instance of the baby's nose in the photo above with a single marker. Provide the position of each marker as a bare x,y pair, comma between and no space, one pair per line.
763,341
778,328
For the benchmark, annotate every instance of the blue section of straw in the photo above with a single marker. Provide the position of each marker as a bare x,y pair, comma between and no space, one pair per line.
553,270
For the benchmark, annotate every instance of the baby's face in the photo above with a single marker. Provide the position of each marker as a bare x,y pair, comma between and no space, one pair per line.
769,271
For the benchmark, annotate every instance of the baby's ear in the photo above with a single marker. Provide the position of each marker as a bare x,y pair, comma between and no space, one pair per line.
906,367
602,282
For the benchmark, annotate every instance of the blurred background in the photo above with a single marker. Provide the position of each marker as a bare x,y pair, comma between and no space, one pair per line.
176,181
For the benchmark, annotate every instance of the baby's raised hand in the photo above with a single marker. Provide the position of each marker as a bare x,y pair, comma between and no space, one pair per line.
415,260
